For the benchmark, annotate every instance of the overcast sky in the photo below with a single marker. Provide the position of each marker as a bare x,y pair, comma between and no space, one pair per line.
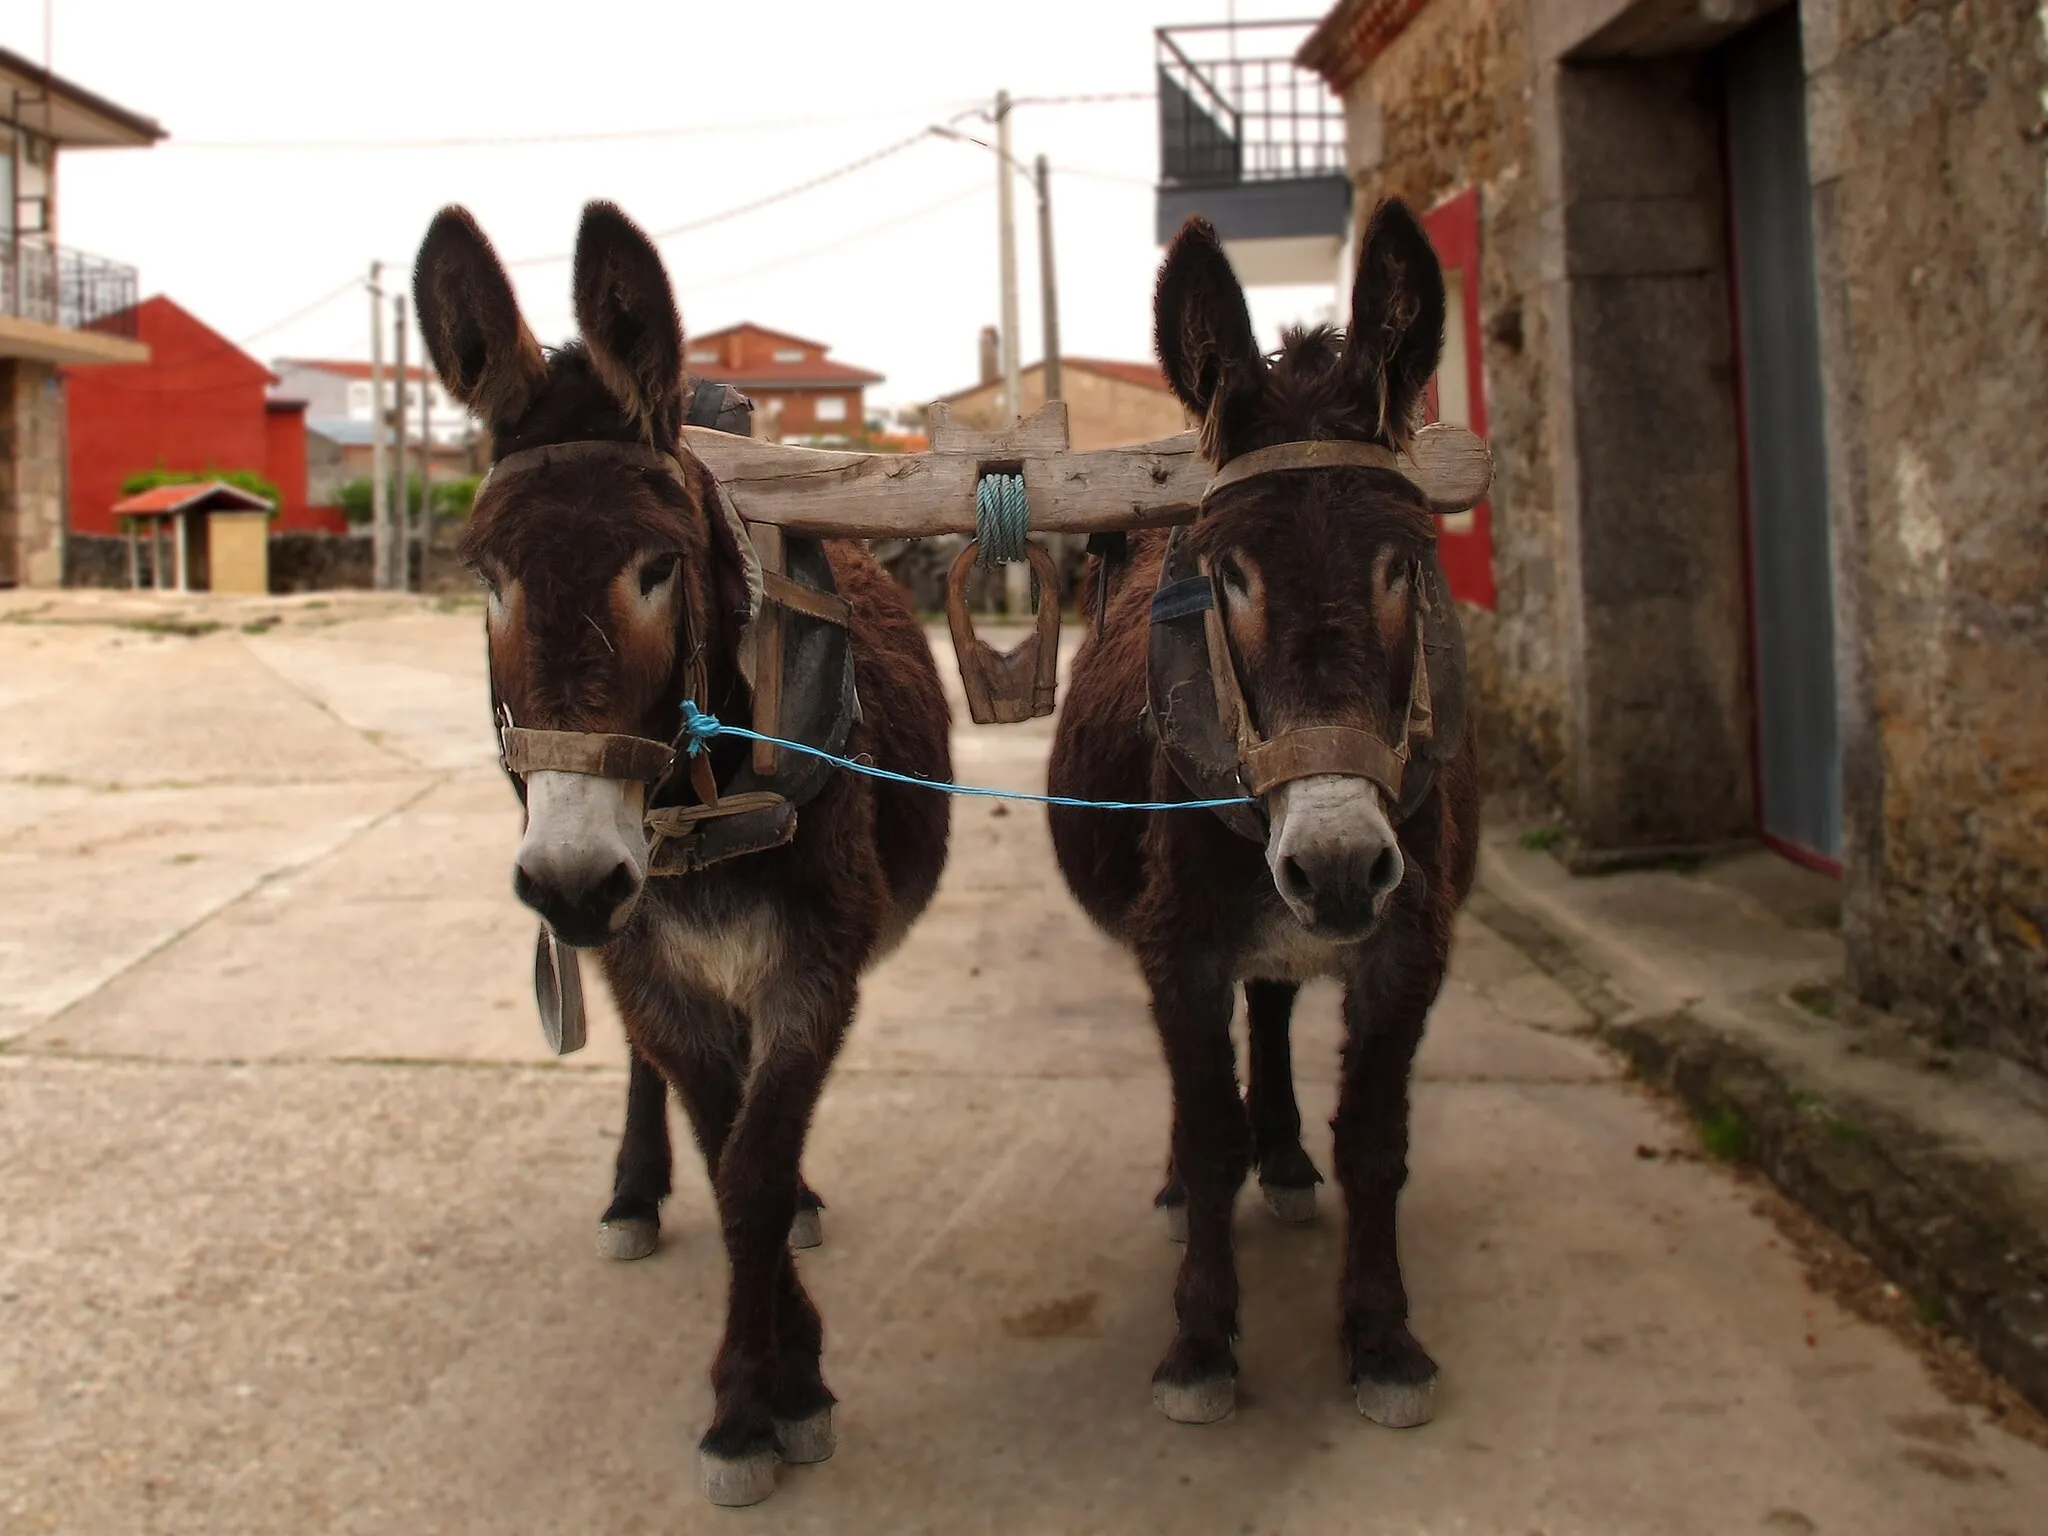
252,210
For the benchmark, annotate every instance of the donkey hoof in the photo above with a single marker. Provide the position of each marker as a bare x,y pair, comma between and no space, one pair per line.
628,1238
804,1441
807,1230
734,1481
1196,1402
1398,1404
1176,1223
1295,1206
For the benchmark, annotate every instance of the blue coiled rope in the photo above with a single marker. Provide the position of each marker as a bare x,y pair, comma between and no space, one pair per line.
701,728
1002,519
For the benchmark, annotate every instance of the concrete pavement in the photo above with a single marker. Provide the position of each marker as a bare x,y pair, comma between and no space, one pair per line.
296,1213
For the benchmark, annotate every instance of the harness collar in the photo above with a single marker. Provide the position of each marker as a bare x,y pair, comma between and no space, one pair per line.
1319,453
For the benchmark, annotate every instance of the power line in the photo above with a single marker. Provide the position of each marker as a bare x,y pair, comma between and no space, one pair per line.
675,230
530,140
299,314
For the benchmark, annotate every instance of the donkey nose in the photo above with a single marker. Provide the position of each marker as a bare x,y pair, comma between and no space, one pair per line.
1342,884
579,901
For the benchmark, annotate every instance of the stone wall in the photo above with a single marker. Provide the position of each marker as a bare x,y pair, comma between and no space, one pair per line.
1444,108
32,468
1930,172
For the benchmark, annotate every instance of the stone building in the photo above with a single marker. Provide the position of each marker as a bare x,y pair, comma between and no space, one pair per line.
1761,308
59,308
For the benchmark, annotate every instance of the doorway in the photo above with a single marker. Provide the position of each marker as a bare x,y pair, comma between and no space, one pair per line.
1791,581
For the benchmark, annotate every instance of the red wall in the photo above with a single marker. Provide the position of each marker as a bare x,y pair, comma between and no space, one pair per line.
197,404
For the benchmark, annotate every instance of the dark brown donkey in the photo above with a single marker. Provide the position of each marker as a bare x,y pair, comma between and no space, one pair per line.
1316,588
617,590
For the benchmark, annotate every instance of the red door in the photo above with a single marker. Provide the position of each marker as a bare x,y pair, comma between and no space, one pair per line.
1458,392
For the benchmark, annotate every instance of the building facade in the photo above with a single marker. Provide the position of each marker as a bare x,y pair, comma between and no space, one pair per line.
799,393
199,404
1109,404
59,308
1757,297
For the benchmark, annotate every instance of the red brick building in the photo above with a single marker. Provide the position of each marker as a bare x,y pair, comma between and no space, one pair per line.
798,391
198,404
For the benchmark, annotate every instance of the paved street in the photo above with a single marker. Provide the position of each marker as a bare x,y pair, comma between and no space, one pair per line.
296,1213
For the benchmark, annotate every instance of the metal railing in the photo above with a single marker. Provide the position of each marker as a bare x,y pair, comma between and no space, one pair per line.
63,287
1225,119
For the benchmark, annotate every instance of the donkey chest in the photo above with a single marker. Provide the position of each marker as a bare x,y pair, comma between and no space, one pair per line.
737,955
1280,949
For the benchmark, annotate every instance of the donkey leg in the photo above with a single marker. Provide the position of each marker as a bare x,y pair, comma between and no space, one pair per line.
1287,1178
1173,1200
631,1225
1196,1383
765,1401
1384,1013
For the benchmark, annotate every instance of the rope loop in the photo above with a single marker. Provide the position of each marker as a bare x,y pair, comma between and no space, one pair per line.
1002,519
701,728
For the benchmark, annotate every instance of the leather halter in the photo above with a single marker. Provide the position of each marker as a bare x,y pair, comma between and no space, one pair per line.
630,758
1264,764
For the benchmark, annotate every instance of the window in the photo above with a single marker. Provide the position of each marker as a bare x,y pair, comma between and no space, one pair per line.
703,354
790,354
359,399
831,408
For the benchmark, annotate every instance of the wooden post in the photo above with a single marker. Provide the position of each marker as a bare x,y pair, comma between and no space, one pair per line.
134,557
179,536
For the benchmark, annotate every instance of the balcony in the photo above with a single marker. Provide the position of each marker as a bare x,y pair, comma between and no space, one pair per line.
64,306
1254,143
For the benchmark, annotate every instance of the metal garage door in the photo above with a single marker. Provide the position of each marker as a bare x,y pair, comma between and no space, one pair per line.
1792,589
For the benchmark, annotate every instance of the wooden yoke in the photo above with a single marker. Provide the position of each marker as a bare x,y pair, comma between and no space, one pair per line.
834,494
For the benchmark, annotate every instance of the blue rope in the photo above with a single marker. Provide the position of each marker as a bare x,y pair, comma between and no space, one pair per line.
700,728
1002,519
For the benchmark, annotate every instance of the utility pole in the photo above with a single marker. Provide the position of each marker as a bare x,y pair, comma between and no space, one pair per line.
1017,576
426,461
1013,397
1049,297
401,555
380,519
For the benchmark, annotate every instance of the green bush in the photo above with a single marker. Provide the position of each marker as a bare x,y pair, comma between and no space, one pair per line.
452,498
241,479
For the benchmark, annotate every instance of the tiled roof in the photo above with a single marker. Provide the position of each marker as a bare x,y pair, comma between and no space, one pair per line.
190,496
817,372
1145,375
758,330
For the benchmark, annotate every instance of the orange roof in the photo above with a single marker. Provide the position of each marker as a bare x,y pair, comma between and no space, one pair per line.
1145,375
190,496
758,330
820,372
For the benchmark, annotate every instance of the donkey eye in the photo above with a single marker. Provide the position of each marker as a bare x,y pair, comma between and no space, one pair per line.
1233,575
655,572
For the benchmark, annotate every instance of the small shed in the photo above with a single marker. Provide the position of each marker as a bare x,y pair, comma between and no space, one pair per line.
218,537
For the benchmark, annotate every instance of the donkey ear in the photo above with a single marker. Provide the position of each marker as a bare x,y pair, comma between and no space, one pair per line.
1204,335
627,314
1397,319
484,353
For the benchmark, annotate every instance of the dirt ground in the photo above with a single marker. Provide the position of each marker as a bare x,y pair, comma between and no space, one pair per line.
296,1212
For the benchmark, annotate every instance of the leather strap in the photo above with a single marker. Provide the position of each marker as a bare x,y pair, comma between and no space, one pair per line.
1284,457
798,598
601,757
1318,749
582,451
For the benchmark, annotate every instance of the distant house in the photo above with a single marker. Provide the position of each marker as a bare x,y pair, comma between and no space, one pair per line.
199,403
798,392
59,308
337,393
1109,403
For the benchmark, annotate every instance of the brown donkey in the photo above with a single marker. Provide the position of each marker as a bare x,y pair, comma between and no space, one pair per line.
1329,667
617,590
